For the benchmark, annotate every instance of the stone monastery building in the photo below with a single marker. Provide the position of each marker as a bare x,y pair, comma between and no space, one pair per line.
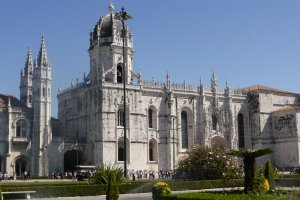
163,119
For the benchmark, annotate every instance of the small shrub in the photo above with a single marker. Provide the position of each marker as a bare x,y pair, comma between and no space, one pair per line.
159,190
101,175
266,185
112,192
258,183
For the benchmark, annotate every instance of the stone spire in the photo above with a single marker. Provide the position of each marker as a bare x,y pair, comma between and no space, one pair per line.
201,86
29,62
42,59
213,80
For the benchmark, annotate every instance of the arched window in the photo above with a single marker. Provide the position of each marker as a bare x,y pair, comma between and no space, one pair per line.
30,98
152,150
214,122
120,117
241,131
150,118
21,128
119,74
184,130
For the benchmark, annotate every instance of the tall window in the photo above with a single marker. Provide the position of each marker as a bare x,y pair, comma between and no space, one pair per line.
119,74
120,117
152,150
241,131
214,122
21,128
150,118
44,92
121,150
184,130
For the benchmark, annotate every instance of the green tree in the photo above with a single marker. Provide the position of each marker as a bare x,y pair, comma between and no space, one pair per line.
249,157
207,163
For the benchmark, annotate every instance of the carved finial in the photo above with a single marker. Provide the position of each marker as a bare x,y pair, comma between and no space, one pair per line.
9,105
201,82
139,77
111,8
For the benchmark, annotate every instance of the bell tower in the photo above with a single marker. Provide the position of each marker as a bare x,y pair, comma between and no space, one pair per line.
106,50
42,80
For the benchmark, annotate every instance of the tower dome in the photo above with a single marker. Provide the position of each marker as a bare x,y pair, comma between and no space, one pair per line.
106,28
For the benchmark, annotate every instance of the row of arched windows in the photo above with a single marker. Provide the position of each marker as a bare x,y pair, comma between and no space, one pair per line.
184,126
152,148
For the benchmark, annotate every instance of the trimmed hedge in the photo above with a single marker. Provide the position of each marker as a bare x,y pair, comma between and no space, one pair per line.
287,182
204,184
69,188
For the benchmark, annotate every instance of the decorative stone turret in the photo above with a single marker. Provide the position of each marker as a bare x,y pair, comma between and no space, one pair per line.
26,81
213,86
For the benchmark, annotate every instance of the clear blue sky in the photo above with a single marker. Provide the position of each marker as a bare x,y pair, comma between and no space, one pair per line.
247,42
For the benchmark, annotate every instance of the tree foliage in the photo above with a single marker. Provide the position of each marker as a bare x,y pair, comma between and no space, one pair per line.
208,163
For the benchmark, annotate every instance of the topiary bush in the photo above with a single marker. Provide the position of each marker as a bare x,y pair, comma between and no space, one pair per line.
160,189
270,174
252,181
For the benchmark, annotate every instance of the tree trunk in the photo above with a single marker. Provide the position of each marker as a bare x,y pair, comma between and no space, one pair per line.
249,169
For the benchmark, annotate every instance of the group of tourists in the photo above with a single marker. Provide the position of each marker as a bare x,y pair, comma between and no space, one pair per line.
7,176
145,174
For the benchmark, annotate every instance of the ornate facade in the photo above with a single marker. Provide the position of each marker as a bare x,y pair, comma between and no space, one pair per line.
26,123
163,119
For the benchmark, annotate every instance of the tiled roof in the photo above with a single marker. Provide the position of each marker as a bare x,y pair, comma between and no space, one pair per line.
266,89
14,102
287,108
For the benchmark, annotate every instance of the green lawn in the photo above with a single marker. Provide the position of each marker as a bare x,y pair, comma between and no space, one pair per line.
230,196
